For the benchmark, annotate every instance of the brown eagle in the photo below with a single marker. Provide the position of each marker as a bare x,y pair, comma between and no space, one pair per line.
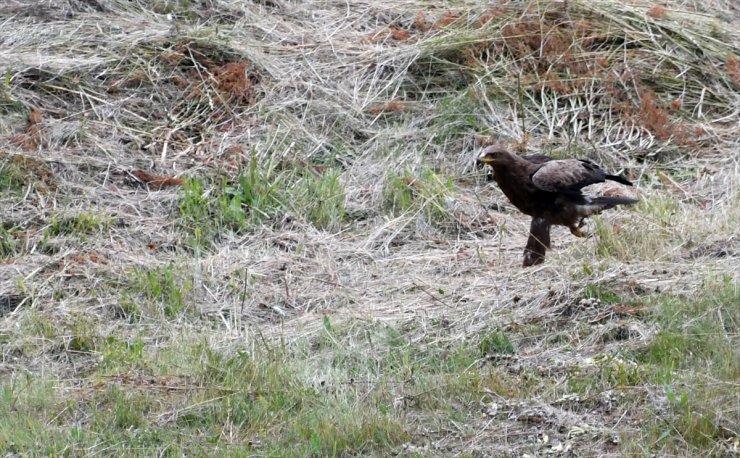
550,192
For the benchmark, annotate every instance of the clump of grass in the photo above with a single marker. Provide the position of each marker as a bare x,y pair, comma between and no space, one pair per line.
194,210
11,178
695,357
658,213
569,77
268,395
118,354
165,290
260,192
82,224
423,194
8,243
458,115
19,171
602,293
696,331
609,372
259,395
253,197
321,198
8,103
25,403
496,342
83,334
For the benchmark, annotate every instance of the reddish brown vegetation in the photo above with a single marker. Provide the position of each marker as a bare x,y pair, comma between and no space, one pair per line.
91,256
30,169
234,151
410,182
653,117
446,19
554,49
421,23
300,164
156,181
192,63
621,309
732,68
233,82
173,58
399,34
490,14
235,157
393,106
33,129
32,137
657,11
393,32
555,53
130,82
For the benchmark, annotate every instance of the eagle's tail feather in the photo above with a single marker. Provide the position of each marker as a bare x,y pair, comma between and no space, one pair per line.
619,179
611,201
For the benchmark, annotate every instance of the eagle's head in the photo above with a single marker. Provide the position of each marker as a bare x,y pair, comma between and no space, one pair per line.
493,154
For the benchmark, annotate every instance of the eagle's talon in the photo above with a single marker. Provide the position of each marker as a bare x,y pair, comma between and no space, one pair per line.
532,259
577,231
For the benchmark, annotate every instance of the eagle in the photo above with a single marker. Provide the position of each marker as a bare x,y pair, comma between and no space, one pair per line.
550,192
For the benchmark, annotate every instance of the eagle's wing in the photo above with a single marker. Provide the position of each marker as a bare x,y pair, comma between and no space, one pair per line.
567,175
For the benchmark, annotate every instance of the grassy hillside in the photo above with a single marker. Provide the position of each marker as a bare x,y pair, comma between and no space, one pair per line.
257,228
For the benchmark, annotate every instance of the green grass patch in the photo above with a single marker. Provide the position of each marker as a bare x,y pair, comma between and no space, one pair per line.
82,224
695,358
607,373
345,391
692,360
602,293
8,243
261,192
629,243
423,193
11,178
165,290
698,333
496,342
457,116
26,404
18,171
118,353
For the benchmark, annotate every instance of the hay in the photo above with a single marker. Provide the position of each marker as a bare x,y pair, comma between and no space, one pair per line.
143,86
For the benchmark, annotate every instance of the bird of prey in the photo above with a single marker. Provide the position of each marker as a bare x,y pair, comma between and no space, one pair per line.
550,192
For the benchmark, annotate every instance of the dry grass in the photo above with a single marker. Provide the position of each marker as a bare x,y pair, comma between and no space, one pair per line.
186,184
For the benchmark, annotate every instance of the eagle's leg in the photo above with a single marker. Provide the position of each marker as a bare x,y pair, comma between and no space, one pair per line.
537,243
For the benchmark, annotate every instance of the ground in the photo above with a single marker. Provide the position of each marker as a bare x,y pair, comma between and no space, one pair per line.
258,228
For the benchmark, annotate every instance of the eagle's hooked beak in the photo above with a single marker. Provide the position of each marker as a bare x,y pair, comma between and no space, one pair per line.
485,157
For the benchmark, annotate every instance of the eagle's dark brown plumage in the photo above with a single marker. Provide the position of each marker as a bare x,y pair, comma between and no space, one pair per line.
550,192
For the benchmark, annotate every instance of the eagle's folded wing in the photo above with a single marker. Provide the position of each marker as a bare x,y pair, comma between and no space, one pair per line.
567,175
